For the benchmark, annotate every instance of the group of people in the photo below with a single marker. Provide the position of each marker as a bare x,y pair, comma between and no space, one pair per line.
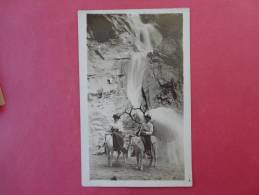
145,131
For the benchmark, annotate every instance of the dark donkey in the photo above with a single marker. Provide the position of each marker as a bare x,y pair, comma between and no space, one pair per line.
115,141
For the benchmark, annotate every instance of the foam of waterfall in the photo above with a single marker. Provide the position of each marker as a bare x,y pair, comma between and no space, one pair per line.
169,128
169,121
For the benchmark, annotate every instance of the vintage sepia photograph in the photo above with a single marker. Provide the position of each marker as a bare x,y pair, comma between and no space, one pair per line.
135,102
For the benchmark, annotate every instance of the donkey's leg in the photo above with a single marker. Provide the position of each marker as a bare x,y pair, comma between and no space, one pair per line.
125,156
108,159
137,157
151,157
155,154
107,154
111,157
141,160
119,152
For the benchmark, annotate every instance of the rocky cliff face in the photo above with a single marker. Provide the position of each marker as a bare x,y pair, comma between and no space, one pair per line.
106,85
110,45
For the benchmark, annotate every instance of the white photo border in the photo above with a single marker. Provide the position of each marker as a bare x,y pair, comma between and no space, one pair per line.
82,39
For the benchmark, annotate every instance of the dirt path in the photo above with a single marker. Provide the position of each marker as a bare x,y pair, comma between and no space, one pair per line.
100,170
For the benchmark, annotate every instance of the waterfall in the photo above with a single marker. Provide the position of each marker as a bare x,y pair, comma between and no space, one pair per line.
135,76
146,38
167,122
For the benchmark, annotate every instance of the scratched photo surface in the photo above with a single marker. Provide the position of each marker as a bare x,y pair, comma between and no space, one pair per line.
135,96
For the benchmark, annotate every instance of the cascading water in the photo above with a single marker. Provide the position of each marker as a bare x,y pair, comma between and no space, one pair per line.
167,122
146,37
135,76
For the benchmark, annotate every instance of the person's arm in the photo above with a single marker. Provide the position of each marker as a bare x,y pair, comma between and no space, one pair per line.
150,132
111,127
120,127
138,131
151,128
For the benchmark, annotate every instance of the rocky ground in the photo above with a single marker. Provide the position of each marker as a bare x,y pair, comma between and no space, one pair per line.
163,171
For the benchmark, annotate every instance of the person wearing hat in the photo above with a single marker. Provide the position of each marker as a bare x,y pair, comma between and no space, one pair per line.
145,133
116,130
116,126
